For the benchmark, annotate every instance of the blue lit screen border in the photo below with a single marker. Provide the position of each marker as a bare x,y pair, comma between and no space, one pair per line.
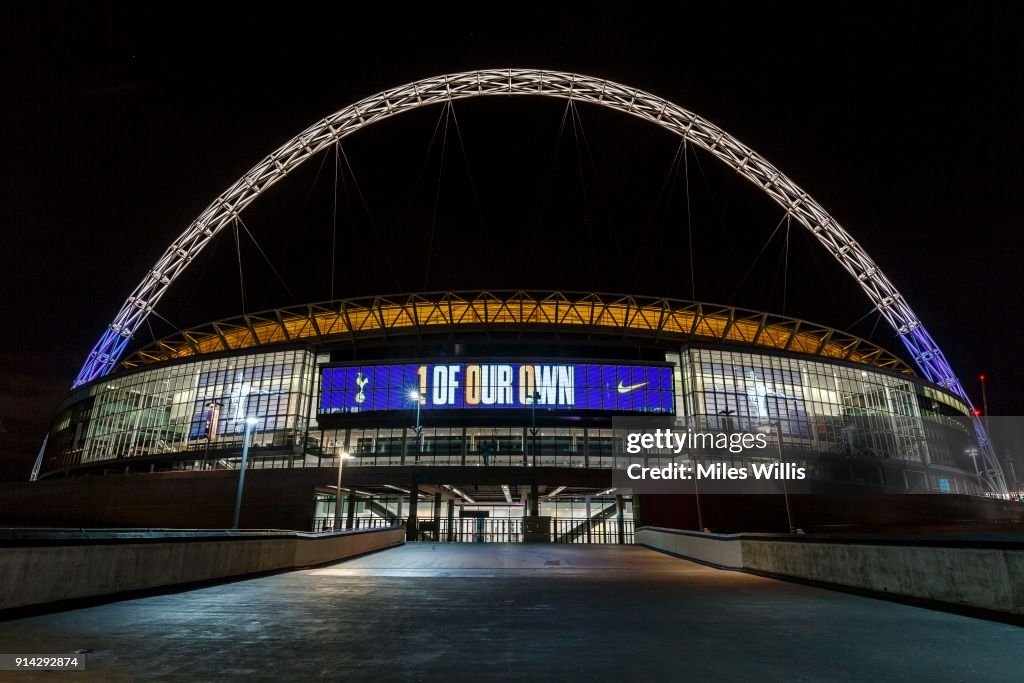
642,389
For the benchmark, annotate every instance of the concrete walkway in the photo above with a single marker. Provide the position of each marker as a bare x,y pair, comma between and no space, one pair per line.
466,612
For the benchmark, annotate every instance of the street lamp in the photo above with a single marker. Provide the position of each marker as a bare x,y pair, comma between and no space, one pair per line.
249,423
337,499
417,428
785,491
696,493
534,397
973,452
1013,474
727,413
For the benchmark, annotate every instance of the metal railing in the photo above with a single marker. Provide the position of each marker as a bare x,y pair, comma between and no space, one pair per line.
496,529
322,524
479,530
592,531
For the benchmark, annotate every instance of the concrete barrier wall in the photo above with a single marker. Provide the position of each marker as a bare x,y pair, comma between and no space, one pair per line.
708,548
981,574
986,578
36,568
313,549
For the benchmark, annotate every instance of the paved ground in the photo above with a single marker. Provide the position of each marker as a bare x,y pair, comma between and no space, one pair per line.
466,612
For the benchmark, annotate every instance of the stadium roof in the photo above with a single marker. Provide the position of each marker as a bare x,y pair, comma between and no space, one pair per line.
418,315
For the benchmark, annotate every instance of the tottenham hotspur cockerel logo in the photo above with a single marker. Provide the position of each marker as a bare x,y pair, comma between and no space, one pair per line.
361,382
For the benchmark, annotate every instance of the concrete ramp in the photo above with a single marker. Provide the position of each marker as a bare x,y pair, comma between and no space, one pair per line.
478,612
511,559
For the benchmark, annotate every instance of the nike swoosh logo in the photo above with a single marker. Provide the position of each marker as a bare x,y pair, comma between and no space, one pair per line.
625,390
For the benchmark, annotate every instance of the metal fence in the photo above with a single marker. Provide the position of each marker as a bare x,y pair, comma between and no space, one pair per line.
496,529
592,531
321,524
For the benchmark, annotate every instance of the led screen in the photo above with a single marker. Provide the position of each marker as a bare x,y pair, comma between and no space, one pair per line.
498,385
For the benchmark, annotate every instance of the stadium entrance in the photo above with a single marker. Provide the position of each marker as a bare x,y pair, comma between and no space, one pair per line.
481,513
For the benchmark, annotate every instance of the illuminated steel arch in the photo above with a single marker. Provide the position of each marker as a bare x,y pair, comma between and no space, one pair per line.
696,130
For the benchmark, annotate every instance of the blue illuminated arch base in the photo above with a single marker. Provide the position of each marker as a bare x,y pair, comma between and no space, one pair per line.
696,130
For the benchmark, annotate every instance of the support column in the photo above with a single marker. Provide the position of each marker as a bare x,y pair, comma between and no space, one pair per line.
526,447
590,522
586,447
405,443
437,516
451,520
620,516
536,529
410,524
369,508
336,524
350,519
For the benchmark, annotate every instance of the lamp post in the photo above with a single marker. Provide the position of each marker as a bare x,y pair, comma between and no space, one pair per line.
534,397
249,422
785,491
696,494
1013,475
337,498
417,428
727,413
973,452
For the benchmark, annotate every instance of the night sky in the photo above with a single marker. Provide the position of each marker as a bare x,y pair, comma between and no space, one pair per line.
122,123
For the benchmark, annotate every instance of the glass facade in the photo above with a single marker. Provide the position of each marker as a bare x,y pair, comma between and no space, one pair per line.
198,406
483,446
822,407
826,404
854,423
192,415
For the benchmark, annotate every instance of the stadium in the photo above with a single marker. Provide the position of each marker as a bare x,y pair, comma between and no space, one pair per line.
357,377
490,415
